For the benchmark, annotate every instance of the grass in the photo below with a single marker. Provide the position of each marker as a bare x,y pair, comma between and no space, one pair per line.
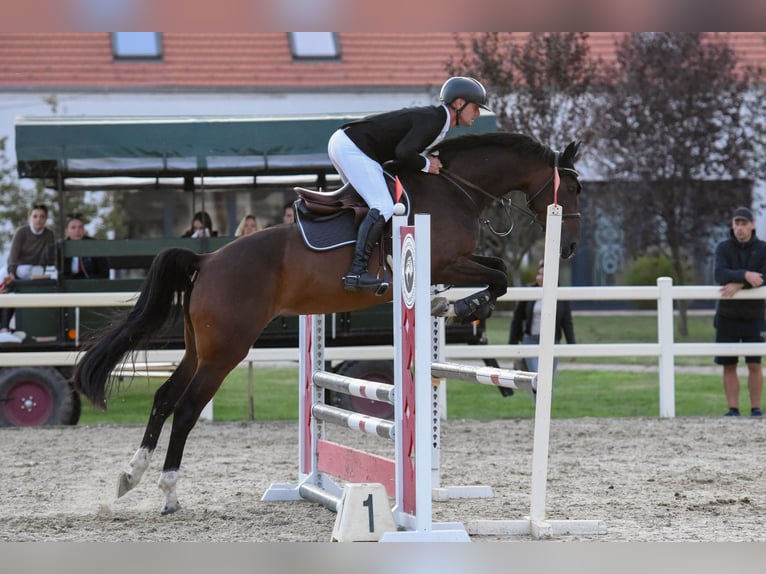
592,393
621,328
600,394
275,398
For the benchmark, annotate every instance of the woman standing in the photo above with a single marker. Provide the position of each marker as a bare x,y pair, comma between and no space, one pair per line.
525,325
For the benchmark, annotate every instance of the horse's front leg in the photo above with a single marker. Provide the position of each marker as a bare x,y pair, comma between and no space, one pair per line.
164,401
476,270
476,307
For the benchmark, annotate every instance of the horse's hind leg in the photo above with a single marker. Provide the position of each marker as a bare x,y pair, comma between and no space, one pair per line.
203,386
165,400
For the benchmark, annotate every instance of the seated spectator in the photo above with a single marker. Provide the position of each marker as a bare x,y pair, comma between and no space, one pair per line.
29,248
201,226
288,215
247,226
81,267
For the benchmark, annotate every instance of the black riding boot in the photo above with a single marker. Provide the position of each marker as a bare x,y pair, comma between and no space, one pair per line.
368,235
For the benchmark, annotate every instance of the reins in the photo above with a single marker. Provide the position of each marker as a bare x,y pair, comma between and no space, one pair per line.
459,181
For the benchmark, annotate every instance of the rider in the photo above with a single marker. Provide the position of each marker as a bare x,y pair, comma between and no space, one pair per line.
358,150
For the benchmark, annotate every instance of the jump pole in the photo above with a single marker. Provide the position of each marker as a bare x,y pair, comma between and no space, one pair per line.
536,524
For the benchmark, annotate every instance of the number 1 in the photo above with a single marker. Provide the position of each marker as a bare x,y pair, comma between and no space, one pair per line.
368,504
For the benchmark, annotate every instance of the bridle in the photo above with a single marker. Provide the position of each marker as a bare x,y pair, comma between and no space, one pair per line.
459,182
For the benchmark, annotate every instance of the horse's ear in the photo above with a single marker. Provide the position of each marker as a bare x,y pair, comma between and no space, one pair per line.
570,153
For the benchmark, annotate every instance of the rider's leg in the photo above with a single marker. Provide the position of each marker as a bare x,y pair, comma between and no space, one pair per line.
358,276
366,175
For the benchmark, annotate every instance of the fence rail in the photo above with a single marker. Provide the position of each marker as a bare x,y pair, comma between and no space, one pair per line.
665,349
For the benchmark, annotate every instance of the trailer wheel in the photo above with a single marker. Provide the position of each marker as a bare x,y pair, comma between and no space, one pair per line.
378,371
74,418
33,396
66,372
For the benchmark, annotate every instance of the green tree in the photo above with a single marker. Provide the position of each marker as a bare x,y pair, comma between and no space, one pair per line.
540,87
680,125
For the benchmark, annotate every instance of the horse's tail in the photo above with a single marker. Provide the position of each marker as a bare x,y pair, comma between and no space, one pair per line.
168,281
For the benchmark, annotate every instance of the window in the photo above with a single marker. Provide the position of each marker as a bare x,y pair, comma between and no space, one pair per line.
136,45
314,45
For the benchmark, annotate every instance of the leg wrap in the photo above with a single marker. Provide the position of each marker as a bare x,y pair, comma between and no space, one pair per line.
167,484
475,307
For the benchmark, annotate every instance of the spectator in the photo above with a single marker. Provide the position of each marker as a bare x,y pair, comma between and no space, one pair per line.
525,325
82,267
29,248
288,214
247,226
201,226
740,263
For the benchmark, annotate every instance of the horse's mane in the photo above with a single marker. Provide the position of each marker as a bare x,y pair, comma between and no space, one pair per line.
522,144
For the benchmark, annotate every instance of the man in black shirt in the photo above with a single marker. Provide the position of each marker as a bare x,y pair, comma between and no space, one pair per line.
740,263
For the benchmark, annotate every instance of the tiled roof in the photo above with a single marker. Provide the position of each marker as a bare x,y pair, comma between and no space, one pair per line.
255,60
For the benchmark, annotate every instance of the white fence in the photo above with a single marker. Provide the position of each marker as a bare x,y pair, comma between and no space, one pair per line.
665,349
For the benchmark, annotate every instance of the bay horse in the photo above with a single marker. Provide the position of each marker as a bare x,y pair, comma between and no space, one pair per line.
229,296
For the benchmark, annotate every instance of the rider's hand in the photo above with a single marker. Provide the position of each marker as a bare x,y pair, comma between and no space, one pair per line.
435,164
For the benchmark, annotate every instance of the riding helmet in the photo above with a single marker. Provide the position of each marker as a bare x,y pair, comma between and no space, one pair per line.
467,88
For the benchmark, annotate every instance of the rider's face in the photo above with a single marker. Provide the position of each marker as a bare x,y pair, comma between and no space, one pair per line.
469,114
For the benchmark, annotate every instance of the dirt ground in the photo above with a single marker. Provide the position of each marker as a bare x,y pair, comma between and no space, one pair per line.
684,479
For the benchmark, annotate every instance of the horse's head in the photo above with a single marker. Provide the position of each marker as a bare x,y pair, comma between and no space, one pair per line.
566,194
485,167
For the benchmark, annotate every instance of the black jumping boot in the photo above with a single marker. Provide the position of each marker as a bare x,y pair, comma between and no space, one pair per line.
368,235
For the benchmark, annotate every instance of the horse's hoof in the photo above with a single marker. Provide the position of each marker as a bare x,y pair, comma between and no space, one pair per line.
439,307
170,508
124,484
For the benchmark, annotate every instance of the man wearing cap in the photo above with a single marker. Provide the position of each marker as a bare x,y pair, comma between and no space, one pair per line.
740,263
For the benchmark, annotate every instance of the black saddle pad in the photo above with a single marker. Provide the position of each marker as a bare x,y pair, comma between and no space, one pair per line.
322,233
327,232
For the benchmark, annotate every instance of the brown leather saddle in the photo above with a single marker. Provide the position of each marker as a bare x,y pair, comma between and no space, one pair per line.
329,219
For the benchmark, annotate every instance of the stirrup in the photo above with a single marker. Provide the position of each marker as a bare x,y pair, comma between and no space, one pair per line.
382,288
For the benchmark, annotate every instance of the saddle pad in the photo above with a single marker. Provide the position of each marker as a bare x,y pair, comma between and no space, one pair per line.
329,233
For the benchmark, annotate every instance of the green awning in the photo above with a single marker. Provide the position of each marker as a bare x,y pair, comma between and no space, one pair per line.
51,147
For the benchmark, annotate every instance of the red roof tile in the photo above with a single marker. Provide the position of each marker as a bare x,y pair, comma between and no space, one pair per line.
256,60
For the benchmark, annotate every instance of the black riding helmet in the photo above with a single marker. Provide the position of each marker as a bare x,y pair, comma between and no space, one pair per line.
467,88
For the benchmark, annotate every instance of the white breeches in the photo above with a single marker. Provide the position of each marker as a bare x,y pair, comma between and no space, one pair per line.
364,173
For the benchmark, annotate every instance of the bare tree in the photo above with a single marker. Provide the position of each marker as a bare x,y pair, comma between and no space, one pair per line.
539,86
678,113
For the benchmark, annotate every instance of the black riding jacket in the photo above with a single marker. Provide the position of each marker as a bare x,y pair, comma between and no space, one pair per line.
732,259
401,135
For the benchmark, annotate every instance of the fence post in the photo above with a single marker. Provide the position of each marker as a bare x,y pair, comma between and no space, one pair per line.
666,340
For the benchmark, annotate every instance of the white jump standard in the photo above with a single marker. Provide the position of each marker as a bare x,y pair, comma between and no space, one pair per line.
536,524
